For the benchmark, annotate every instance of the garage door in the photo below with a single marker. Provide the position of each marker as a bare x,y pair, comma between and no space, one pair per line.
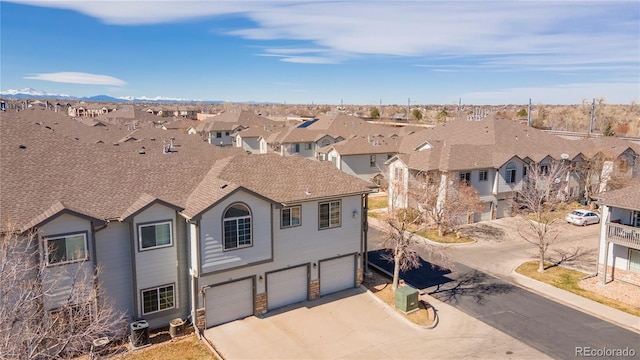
228,302
337,274
485,214
286,287
504,209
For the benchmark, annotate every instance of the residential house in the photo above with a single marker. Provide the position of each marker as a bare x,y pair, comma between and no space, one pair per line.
221,129
363,156
88,110
207,233
619,250
492,155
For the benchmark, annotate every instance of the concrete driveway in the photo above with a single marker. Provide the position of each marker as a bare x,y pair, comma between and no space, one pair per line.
353,324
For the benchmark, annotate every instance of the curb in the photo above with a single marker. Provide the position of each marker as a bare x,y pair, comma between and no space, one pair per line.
540,290
436,317
374,224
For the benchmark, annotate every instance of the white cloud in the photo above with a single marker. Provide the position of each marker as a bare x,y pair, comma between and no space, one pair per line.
515,33
78,78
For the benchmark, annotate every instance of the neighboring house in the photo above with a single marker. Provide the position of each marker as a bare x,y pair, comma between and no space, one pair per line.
492,155
221,129
362,156
88,110
619,251
252,140
197,231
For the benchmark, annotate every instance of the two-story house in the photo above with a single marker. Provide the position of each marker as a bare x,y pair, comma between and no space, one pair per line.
197,232
491,155
619,250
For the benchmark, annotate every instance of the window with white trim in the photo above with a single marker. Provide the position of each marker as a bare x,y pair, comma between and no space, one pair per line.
329,214
155,235
66,249
635,219
307,146
237,227
484,175
510,173
634,261
465,177
158,299
372,160
290,216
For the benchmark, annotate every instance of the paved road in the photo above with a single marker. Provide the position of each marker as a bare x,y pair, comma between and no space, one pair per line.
546,325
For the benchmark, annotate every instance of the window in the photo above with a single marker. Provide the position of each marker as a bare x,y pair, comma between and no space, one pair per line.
398,174
329,214
544,170
372,161
157,299
237,227
307,146
226,133
154,235
510,173
465,177
296,148
484,175
634,261
218,134
334,160
524,171
326,142
66,249
389,156
290,217
635,219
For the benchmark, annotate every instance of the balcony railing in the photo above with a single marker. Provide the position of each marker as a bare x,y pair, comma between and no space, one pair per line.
625,235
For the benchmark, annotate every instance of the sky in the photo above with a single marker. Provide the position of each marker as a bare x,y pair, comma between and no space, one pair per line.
326,52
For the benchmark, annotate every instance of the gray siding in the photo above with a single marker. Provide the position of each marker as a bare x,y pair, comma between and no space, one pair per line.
113,253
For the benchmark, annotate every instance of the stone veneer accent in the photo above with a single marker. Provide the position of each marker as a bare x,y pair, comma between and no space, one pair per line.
314,289
619,274
261,304
200,316
359,277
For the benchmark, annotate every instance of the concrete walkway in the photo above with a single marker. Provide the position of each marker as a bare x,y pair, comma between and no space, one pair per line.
500,255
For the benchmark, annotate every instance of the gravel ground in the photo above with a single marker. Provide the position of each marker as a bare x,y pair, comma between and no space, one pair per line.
617,290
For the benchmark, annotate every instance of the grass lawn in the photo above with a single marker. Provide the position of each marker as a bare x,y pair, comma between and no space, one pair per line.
377,202
187,347
567,279
380,286
449,238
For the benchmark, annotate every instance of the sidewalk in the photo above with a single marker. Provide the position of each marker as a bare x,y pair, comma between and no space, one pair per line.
590,307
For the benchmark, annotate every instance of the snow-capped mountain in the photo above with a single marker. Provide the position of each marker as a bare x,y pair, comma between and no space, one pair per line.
29,93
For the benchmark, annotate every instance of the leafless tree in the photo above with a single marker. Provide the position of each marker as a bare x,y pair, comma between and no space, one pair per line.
538,200
445,204
31,327
401,238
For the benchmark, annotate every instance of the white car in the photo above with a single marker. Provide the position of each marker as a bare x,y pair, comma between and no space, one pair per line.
582,217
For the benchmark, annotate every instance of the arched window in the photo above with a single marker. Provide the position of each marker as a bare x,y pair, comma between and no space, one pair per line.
510,173
325,142
237,227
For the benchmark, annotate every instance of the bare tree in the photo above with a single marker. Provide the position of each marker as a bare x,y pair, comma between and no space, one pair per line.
401,238
443,203
31,326
538,200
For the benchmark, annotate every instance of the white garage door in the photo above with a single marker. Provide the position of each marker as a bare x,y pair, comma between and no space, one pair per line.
228,302
286,287
504,209
337,274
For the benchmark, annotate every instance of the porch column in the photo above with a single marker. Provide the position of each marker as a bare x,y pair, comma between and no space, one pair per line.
606,258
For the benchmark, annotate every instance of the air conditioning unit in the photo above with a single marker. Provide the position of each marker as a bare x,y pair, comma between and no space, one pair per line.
139,334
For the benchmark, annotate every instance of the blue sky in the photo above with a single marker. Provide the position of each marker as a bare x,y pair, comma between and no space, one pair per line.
326,52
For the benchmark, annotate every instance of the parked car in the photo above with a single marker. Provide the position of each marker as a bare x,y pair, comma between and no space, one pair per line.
582,217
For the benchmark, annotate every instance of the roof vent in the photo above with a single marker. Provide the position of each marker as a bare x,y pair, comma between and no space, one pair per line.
307,192
224,186
22,146
116,144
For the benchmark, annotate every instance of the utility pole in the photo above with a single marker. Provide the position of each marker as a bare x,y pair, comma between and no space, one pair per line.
529,114
593,116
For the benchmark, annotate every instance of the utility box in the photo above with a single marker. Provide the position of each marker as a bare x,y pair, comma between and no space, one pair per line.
406,299
139,334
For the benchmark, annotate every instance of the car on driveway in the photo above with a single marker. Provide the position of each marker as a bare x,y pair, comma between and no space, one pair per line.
582,217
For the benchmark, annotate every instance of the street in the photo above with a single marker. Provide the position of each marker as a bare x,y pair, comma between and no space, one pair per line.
548,326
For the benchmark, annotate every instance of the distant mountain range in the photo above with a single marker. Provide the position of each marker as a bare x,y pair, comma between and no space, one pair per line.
29,93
